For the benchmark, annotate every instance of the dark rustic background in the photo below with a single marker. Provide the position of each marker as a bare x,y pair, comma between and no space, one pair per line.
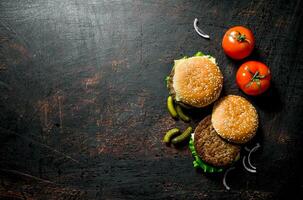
82,98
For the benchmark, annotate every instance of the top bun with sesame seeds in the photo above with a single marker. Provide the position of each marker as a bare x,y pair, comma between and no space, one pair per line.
235,119
196,81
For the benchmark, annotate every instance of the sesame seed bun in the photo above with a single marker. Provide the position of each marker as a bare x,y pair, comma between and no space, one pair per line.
197,81
235,119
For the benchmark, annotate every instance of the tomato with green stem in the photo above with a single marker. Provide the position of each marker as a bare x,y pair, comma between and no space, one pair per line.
253,77
238,42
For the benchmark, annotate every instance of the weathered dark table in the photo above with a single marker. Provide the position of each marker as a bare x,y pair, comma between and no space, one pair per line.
82,98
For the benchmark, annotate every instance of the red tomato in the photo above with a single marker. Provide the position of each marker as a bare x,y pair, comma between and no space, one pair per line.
253,77
238,42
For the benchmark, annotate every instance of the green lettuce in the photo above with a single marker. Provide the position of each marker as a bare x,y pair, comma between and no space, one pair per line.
199,53
199,163
166,80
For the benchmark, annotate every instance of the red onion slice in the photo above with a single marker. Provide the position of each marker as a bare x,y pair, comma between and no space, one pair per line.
224,178
199,31
247,168
251,151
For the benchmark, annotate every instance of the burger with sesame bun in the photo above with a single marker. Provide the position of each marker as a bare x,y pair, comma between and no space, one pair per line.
195,81
216,141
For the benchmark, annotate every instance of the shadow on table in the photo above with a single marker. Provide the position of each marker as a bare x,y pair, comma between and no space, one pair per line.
270,101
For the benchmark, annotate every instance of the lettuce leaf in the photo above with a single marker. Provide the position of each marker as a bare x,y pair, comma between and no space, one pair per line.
199,163
166,80
199,53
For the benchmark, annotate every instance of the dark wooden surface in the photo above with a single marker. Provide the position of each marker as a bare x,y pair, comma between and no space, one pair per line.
82,98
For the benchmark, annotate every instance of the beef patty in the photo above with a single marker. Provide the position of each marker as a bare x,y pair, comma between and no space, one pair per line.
211,147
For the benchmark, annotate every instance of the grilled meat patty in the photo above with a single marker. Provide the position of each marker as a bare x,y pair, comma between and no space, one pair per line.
211,147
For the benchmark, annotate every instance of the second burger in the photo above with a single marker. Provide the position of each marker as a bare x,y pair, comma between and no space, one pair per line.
216,141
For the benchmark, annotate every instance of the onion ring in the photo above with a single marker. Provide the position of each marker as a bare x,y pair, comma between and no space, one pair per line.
224,178
251,151
247,149
199,31
247,168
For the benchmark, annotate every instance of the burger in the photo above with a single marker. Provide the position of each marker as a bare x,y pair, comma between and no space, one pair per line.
195,81
216,141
